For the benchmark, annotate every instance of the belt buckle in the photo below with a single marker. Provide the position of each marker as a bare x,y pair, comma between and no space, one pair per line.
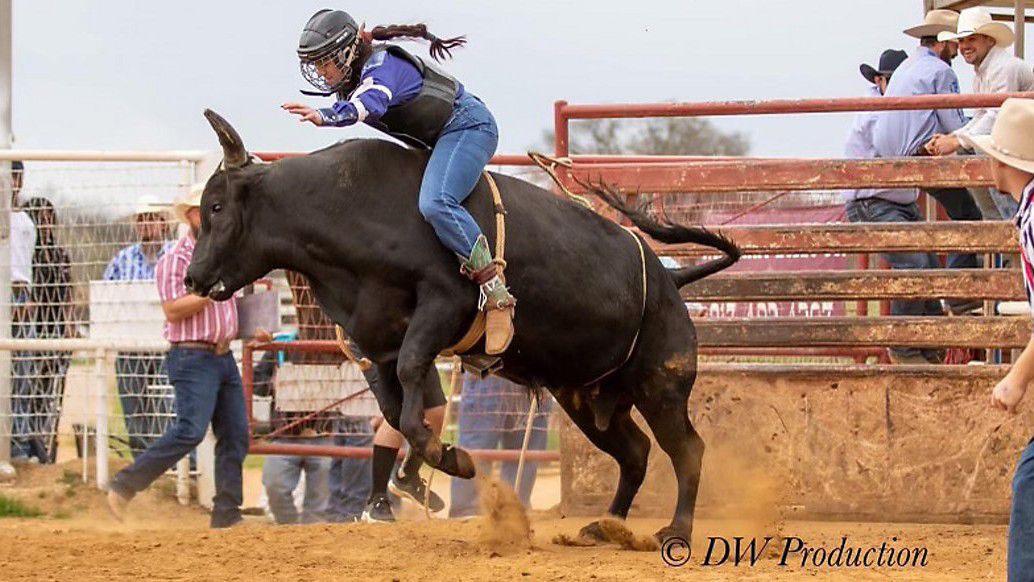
221,348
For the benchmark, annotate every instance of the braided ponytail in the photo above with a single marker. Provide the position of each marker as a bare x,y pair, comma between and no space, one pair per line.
441,48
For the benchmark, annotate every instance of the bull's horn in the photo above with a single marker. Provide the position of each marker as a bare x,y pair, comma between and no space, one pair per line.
234,154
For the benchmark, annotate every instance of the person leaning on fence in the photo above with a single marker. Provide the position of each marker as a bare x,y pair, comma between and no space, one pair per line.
282,473
136,370
206,381
51,294
983,44
882,205
26,444
899,134
493,414
1012,151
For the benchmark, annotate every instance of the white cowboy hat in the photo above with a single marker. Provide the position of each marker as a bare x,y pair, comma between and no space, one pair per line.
1010,141
191,200
149,205
977,20
936,21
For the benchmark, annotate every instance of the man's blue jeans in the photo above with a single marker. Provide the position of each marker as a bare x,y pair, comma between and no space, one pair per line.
350,482
493,414
465,146
280,476
208,389
1021,522
880,210
959,204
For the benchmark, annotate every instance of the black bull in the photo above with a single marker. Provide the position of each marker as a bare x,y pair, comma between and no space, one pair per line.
346,217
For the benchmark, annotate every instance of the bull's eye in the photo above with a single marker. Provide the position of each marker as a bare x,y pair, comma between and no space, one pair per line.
216,207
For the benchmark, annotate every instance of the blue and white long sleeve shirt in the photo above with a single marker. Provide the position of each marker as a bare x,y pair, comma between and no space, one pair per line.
385,81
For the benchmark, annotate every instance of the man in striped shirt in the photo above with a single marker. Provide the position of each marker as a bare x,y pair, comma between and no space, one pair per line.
134,371
1012,153
207,384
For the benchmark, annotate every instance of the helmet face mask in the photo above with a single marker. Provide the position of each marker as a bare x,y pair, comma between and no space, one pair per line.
331,71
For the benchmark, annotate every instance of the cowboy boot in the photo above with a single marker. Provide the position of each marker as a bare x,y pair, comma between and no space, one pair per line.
495,298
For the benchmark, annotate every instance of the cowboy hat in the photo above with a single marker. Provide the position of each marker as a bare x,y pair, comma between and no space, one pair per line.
936,21
1010,141
977,20
149,205
191,200
889,61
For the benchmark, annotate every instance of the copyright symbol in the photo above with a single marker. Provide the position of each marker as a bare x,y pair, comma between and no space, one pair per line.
675,552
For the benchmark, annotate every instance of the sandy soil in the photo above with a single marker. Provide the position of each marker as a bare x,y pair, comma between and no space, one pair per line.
77,540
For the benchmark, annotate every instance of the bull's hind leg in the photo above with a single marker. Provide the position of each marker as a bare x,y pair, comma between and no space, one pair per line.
622,439
665,410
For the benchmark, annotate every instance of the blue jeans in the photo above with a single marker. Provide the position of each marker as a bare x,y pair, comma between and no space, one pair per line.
26,440
880,210
1021,522
465,146
350,478
280,476
208,389
493,414
960,205
1007,205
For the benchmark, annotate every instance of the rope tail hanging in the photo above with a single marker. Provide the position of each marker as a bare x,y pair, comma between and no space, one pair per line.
457,365
549,166
532,409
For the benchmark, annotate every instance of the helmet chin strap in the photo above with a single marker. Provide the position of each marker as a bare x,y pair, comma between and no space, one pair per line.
317,93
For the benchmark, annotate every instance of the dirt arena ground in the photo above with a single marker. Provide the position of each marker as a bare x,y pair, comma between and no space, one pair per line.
76,539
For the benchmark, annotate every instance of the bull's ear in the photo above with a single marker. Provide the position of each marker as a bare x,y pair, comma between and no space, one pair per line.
234,154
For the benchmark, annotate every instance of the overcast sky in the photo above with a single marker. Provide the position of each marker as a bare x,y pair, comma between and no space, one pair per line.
136,75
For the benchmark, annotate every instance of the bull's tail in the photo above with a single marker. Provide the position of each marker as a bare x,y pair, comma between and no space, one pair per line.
672,234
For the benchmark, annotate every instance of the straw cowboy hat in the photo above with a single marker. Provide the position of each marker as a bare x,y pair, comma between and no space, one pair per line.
936,21
978,20
191,200
1010,141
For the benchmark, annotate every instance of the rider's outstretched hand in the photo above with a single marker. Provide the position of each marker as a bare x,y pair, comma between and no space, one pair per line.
305,112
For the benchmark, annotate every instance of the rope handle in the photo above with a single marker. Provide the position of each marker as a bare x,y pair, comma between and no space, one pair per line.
548,165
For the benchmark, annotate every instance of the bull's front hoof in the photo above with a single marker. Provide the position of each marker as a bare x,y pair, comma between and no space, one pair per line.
668,533
593,531
457,462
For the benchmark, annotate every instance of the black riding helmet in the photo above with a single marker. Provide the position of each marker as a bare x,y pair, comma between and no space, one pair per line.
330,36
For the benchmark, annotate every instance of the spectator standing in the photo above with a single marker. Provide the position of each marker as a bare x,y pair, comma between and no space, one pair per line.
51,294
25,443
493,414
349,477
281,473
136,370
207,384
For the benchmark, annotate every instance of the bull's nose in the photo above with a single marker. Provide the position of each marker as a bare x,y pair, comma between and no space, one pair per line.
189,282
